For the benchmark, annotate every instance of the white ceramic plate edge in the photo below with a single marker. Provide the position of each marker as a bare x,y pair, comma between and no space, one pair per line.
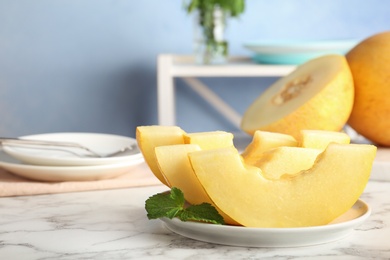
40,157
269,237
68,173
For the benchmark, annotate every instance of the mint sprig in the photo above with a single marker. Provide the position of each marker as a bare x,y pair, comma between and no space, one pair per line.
172,204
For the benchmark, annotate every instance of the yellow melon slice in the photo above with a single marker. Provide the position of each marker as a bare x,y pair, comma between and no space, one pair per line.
286,160
263,141
311,198
320,139
175,165
150,137
209,140
317,95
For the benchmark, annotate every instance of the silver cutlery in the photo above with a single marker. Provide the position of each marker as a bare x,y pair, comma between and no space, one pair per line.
57,145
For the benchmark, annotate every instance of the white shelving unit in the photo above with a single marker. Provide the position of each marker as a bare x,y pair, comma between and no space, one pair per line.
171,66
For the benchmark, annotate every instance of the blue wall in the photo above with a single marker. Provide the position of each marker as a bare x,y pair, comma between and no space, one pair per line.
90,65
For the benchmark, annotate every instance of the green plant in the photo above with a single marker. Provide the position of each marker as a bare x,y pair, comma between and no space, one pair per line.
233,7
206,9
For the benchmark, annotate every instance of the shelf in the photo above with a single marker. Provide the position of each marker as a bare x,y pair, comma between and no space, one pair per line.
184,66
171,66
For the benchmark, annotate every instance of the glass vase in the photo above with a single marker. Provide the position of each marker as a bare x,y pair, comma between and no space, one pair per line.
210,45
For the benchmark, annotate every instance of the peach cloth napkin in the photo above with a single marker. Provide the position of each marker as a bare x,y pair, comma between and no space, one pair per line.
13,185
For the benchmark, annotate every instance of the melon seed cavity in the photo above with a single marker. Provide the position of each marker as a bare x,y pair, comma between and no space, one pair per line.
291,90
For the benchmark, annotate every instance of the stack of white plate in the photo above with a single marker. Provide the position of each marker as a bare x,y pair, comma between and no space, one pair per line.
62,164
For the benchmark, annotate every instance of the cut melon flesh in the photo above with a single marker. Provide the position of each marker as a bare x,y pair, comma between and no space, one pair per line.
209,140
286,161
175,165
263,141
150,137
317,95
276,154
314,197
320,139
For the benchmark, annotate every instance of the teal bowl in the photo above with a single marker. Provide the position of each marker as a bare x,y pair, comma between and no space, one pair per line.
296,52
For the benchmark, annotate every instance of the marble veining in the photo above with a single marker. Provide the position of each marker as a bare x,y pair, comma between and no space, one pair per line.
112,224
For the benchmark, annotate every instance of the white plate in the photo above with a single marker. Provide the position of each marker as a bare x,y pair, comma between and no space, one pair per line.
272,237
296,52
102,143
67,173
381,167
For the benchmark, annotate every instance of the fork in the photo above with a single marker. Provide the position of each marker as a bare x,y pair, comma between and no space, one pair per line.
56,145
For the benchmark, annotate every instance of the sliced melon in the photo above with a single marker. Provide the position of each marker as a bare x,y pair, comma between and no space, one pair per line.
209,140
320,139
263,141
312,198
286,161
175,165
150,137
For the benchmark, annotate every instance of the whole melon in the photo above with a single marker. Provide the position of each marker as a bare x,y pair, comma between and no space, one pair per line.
317,95
369,62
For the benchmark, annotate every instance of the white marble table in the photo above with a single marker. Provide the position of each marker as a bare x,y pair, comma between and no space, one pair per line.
112,224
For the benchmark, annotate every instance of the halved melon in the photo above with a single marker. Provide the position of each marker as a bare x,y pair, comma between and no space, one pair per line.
317,95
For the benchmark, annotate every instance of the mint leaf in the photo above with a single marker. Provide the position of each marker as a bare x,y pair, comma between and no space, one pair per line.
204,212
172,204
178,196
165,204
